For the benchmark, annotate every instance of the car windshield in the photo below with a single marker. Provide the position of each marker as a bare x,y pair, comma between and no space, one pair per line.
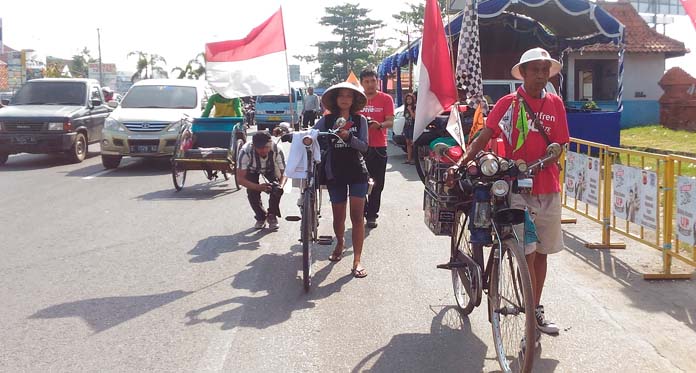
275,99
51,93
160,97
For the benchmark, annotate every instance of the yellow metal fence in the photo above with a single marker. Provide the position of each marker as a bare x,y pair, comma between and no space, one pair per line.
612,210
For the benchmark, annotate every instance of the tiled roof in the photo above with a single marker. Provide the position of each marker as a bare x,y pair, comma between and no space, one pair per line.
639,37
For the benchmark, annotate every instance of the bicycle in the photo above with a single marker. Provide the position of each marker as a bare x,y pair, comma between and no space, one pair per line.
485,219
310,207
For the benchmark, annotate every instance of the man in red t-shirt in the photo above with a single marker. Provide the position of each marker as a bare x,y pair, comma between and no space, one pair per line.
380,116
518,118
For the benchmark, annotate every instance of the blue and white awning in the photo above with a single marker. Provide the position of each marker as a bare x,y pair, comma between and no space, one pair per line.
562,23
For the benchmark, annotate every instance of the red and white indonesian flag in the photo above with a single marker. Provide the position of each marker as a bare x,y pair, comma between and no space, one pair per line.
436,90
690,8
255,65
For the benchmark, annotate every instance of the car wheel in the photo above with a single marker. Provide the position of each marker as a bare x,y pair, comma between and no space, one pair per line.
3,158
111,161
78,152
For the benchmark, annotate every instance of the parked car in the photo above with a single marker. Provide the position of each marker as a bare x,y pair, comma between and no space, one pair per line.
52,116
146,123
396,133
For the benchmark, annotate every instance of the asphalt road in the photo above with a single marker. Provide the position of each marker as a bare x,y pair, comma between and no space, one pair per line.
106,271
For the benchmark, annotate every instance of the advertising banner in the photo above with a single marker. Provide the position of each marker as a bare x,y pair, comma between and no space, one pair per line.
582,177
108,73
686,209
635,195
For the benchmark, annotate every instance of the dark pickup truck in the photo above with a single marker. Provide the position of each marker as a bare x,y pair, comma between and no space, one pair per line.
52,116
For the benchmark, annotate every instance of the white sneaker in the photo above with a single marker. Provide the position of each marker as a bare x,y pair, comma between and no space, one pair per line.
260,224
272,222
544,325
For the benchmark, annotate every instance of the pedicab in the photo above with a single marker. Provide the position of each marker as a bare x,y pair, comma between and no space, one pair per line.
208,144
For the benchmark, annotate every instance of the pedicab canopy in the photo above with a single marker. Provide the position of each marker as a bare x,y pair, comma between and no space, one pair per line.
558,23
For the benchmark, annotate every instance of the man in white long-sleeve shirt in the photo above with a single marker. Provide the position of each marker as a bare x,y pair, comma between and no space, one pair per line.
310,108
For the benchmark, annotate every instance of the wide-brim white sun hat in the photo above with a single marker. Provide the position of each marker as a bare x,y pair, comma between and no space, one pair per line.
536,54
328,99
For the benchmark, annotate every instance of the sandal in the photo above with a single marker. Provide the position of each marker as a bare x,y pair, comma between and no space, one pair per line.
336,258
358,272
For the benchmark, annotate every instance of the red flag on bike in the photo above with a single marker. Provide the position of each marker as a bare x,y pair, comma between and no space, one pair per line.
436,90
255,65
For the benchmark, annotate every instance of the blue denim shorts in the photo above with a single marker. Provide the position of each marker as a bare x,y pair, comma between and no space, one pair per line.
338,193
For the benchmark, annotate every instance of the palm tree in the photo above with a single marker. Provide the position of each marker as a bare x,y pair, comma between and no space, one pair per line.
147,66
194,69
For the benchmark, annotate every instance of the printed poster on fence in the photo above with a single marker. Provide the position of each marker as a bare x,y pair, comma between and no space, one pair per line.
635,195
582,178
686,209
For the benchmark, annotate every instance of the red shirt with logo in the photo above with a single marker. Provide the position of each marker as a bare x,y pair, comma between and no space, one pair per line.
378,108
552,118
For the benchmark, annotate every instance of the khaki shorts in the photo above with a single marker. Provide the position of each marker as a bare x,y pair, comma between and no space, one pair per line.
545,211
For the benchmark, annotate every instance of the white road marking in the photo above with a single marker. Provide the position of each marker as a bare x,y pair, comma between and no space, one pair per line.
98,174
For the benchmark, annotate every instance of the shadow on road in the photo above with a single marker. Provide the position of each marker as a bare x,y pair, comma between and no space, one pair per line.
210,248
199,192
135,168
676,298
276,276
25,162
451,346
104,313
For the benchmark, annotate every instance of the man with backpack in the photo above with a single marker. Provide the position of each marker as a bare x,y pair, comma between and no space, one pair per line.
262,158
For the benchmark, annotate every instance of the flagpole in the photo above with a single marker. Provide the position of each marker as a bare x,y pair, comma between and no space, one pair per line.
287,71
449,42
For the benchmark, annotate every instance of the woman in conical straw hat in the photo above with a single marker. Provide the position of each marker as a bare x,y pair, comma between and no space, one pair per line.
346,172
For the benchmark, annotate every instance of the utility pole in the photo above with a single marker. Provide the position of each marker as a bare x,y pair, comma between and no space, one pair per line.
101,75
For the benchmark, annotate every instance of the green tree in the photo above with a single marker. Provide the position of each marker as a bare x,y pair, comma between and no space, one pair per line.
79,66
194,69
412,20
148,66
352,51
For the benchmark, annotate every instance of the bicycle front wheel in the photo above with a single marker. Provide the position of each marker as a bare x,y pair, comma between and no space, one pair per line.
466,281
511,309
306,225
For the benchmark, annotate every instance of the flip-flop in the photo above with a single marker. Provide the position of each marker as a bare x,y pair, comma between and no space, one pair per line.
334,258
358,272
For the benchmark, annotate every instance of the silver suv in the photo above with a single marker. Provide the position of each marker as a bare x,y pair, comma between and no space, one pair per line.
147,121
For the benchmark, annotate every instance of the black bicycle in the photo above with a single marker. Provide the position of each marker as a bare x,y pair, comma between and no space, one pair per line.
310,207
484,219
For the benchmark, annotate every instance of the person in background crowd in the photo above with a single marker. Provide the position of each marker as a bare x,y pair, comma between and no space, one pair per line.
410,117
108,94
262,157
224,107
528,120
345,168
379,111
310,108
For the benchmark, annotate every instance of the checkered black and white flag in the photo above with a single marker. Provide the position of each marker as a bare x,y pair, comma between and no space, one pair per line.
468,71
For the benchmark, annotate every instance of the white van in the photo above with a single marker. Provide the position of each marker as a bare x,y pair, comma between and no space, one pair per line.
146,123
